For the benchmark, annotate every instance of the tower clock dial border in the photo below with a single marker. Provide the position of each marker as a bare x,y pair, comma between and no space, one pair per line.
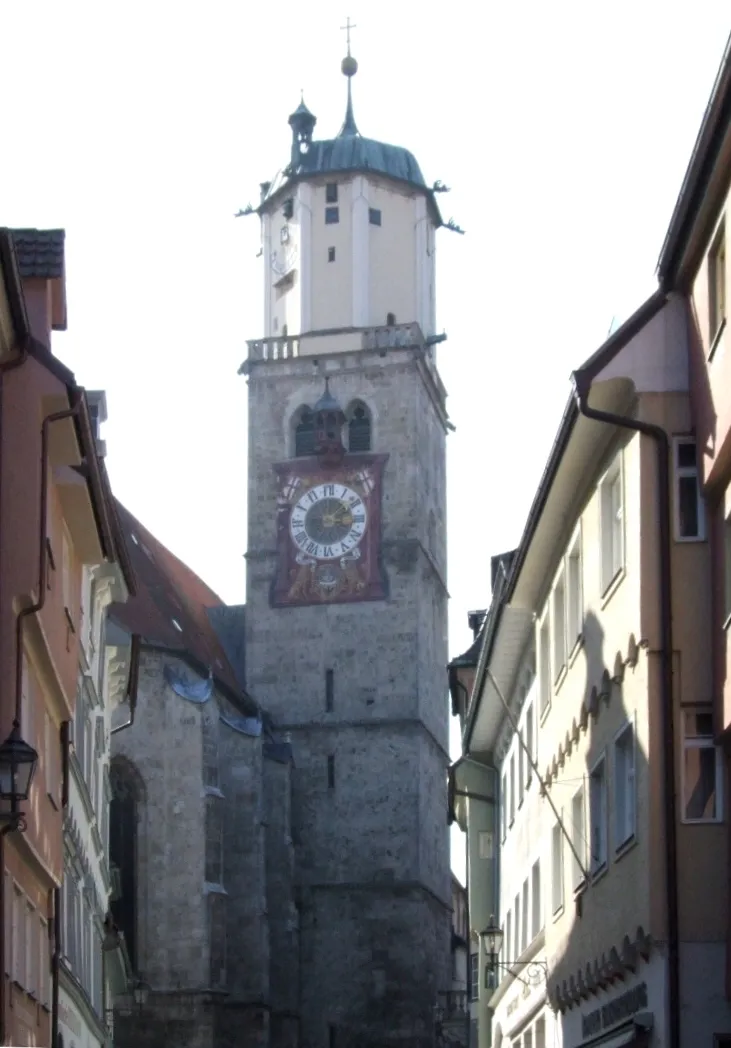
329,532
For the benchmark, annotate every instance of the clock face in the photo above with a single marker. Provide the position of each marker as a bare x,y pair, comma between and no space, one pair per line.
328,521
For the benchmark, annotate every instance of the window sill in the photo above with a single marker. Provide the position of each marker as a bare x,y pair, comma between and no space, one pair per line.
54,802
563,673
612,587
557,914
544,713
580,888
599,872
574,653
716,339
626,846
727,622
686,539
701,822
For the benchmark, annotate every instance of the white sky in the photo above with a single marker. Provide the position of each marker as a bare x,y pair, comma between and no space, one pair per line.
563,129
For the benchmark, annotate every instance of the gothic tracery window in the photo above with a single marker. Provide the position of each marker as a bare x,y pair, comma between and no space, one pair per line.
304,433
123,850
359,428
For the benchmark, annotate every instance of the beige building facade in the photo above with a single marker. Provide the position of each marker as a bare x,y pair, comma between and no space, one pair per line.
607,932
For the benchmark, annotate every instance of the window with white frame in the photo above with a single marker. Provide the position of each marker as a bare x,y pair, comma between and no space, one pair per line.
528,1038
556,868
690,522
474,976
512,788
625,803
598,815
574,599
727,561
578,838
515,946
521,772
540,1032
504,806
44,964
702,768
529,743
611,497
65,571
30,950
558,622
717,283
525,918
18,960
8,922
536,900
544,655
26,701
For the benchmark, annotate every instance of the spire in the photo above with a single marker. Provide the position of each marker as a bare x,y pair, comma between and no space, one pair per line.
349,68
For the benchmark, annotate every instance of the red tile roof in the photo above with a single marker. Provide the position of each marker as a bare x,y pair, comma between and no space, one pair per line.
168,592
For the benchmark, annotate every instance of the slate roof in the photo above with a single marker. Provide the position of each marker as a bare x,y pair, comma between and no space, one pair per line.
40,252
168,592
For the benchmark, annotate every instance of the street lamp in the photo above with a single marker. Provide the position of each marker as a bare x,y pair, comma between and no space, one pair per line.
18,762
492,941
140,992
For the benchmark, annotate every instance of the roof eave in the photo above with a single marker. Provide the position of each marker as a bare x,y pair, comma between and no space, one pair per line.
588,371
715,128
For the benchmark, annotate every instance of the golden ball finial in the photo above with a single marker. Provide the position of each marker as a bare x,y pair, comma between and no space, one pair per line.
349,66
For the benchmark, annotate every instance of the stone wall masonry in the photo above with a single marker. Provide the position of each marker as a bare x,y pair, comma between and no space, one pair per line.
244,869
374,962
281,910
364,827
164,745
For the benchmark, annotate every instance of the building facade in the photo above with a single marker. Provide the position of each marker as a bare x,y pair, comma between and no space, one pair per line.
55,522
86,965
693,266
605,932
201,845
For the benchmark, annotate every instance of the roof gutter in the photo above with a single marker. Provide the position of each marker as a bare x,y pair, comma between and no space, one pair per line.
596,362
698,175
582,381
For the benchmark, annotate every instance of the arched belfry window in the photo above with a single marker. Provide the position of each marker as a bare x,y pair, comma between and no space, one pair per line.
124,812
304,432
359,427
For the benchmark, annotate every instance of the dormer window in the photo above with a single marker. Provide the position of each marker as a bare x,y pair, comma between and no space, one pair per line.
331,193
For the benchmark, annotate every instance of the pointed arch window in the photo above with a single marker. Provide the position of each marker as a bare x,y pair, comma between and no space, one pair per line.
359,428
304,433
127,795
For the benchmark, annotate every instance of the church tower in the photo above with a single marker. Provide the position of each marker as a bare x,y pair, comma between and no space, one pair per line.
346,607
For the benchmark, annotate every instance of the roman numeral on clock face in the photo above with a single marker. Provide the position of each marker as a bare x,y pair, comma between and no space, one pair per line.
328,521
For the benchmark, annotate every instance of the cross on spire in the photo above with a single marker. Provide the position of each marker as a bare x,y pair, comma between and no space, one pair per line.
347,27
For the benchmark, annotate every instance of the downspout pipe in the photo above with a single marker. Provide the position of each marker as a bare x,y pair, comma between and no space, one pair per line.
55,965
582,385
6,365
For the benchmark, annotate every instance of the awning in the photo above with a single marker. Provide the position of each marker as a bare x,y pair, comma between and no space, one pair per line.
628,1036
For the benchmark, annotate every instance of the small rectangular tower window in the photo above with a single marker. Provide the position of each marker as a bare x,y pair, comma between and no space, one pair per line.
689,505
329,690
331,254
332,216
331,193
374,216
288,209
331,772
